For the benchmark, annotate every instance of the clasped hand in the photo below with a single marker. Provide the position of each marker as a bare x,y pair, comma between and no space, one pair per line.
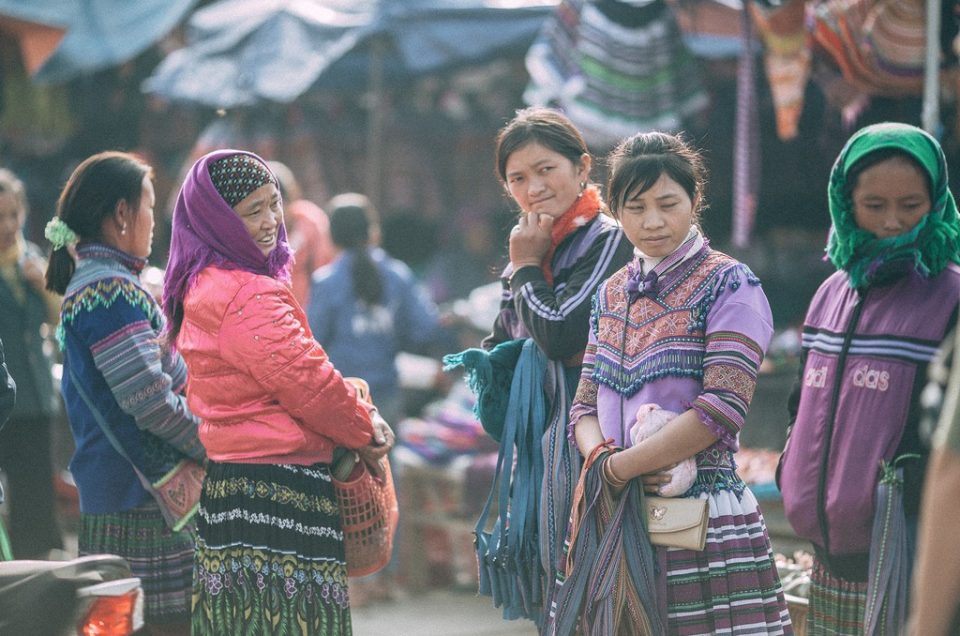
652,482
530,239
377,449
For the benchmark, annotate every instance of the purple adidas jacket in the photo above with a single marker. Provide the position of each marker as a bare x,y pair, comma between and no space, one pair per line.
864,351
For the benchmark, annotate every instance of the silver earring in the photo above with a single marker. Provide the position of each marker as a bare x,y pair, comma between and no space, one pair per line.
583,185
123,228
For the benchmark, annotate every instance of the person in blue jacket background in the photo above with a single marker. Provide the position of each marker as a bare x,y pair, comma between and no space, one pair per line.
366,307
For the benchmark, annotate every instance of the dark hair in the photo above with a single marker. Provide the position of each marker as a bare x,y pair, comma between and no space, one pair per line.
638,162
90,196
352,216
549,128
10,183
287,183
871,159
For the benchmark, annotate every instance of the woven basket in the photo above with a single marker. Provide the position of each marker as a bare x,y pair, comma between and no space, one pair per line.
369,515
798,608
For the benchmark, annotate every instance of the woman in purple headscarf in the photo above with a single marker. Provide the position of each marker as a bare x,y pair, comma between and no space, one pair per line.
272,408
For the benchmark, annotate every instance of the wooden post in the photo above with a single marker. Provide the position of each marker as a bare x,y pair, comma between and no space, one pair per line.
931,75
376,115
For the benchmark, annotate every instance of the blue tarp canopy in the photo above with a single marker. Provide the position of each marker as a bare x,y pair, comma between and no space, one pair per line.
241,52
99,33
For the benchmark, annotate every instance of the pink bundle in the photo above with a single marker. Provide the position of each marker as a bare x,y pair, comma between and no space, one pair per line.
650,419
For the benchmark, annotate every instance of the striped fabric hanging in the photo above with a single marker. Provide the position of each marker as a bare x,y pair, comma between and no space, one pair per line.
746,159
608,577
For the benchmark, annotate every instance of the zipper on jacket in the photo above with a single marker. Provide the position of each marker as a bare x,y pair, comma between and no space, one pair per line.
831,419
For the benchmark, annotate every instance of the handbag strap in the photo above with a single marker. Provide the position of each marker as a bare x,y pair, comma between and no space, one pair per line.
117,446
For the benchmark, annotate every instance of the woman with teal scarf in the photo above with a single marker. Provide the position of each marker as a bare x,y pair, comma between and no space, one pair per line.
869,334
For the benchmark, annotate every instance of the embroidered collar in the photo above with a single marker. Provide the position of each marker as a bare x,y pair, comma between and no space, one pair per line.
640,284
98,250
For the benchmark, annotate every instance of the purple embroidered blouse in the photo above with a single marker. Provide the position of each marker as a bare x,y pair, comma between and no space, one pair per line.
693,340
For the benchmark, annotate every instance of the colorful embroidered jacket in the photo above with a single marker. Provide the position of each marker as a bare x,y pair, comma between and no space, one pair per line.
556,316
694,341
865,360
109,333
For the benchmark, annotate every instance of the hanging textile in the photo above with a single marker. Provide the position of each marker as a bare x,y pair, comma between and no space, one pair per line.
889,571
608,576
786,58
878,45
615,67
746,163
508,553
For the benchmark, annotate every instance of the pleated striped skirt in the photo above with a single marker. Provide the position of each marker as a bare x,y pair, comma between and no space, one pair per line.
160,557
732,586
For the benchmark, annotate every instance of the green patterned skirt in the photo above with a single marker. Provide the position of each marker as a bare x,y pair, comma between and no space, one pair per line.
269,553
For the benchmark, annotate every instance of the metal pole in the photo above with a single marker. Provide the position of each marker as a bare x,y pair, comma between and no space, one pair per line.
375,119
931,75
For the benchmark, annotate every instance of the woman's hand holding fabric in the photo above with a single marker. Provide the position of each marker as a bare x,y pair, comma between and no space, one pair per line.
683,437
653,482
530,239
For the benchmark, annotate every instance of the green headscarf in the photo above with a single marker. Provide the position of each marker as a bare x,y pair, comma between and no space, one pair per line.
928,247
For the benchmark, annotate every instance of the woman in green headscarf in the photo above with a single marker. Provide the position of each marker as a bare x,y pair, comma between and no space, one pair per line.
869,334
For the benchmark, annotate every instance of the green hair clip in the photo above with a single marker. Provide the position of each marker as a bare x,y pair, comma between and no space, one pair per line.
59,233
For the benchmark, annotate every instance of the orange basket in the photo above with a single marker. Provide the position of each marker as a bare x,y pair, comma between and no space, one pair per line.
369,516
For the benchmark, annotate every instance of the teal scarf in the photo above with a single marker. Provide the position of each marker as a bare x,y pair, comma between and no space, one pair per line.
489,376
928,248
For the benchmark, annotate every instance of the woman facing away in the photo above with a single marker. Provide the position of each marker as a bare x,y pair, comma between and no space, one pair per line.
117,374
683,327
563,246
870,332
366,307
309,232
270,555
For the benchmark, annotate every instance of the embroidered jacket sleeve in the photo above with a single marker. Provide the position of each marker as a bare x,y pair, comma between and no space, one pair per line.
738,329
146,383
264,334
557,317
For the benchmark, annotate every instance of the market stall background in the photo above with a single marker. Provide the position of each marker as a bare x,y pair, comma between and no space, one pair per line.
402,99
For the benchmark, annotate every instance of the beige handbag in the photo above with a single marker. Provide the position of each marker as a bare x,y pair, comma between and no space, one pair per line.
677,522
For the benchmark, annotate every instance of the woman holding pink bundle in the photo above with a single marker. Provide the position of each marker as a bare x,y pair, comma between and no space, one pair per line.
678,334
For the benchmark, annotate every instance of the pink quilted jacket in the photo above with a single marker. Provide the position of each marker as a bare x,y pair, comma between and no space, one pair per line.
263,387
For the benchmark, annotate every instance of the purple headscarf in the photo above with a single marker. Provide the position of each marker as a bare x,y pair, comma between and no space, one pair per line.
207,231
